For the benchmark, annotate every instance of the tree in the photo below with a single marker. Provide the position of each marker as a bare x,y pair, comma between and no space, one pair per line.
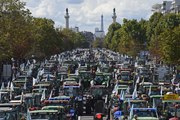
115,41
131,37
98,43
71,39
170,45
15,23
46,39
111,30
143,23
152,24
165,23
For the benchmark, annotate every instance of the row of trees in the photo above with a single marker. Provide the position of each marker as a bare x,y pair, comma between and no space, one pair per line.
160,35
22,35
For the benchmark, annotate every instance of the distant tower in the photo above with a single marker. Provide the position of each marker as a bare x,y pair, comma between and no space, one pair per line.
114,15
67,18
102,26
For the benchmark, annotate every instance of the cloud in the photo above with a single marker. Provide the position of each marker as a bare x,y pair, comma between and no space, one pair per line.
75,1
86,13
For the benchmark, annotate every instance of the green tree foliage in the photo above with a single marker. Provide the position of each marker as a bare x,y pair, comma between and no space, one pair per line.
22,35
170,45
152,25
128,38
98,43
132,37
166,23
71,39
15,38
115,41
46,40
111,30
159,35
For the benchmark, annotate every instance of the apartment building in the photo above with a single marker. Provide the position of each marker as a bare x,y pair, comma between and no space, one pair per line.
167,7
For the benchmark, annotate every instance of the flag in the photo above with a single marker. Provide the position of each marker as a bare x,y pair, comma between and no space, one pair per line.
138,80
34,61
8,86
28,63
24,86
12,86
13,77
22,97
161,92
43,97
48,78
11,89
154,105
50,96
41,72
61,77
149,93
25,79
177,85
28,117
22,67
122,95
0,96
143,81
10,95
2,86
128,90
129,103
106,99
77,72
29,72
45,62
98,70
118,71
134,95
172,81
40,89
131,112
34,81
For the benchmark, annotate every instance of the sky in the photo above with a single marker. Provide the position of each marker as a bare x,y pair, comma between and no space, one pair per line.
86,14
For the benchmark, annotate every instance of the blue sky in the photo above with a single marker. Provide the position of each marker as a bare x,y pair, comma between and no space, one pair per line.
86,14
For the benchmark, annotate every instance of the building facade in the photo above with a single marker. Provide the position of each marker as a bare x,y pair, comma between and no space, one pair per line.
167,7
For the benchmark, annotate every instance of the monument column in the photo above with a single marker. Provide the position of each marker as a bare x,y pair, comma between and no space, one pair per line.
67,18
114,16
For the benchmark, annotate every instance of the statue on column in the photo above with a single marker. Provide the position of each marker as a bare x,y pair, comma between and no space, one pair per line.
66,10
